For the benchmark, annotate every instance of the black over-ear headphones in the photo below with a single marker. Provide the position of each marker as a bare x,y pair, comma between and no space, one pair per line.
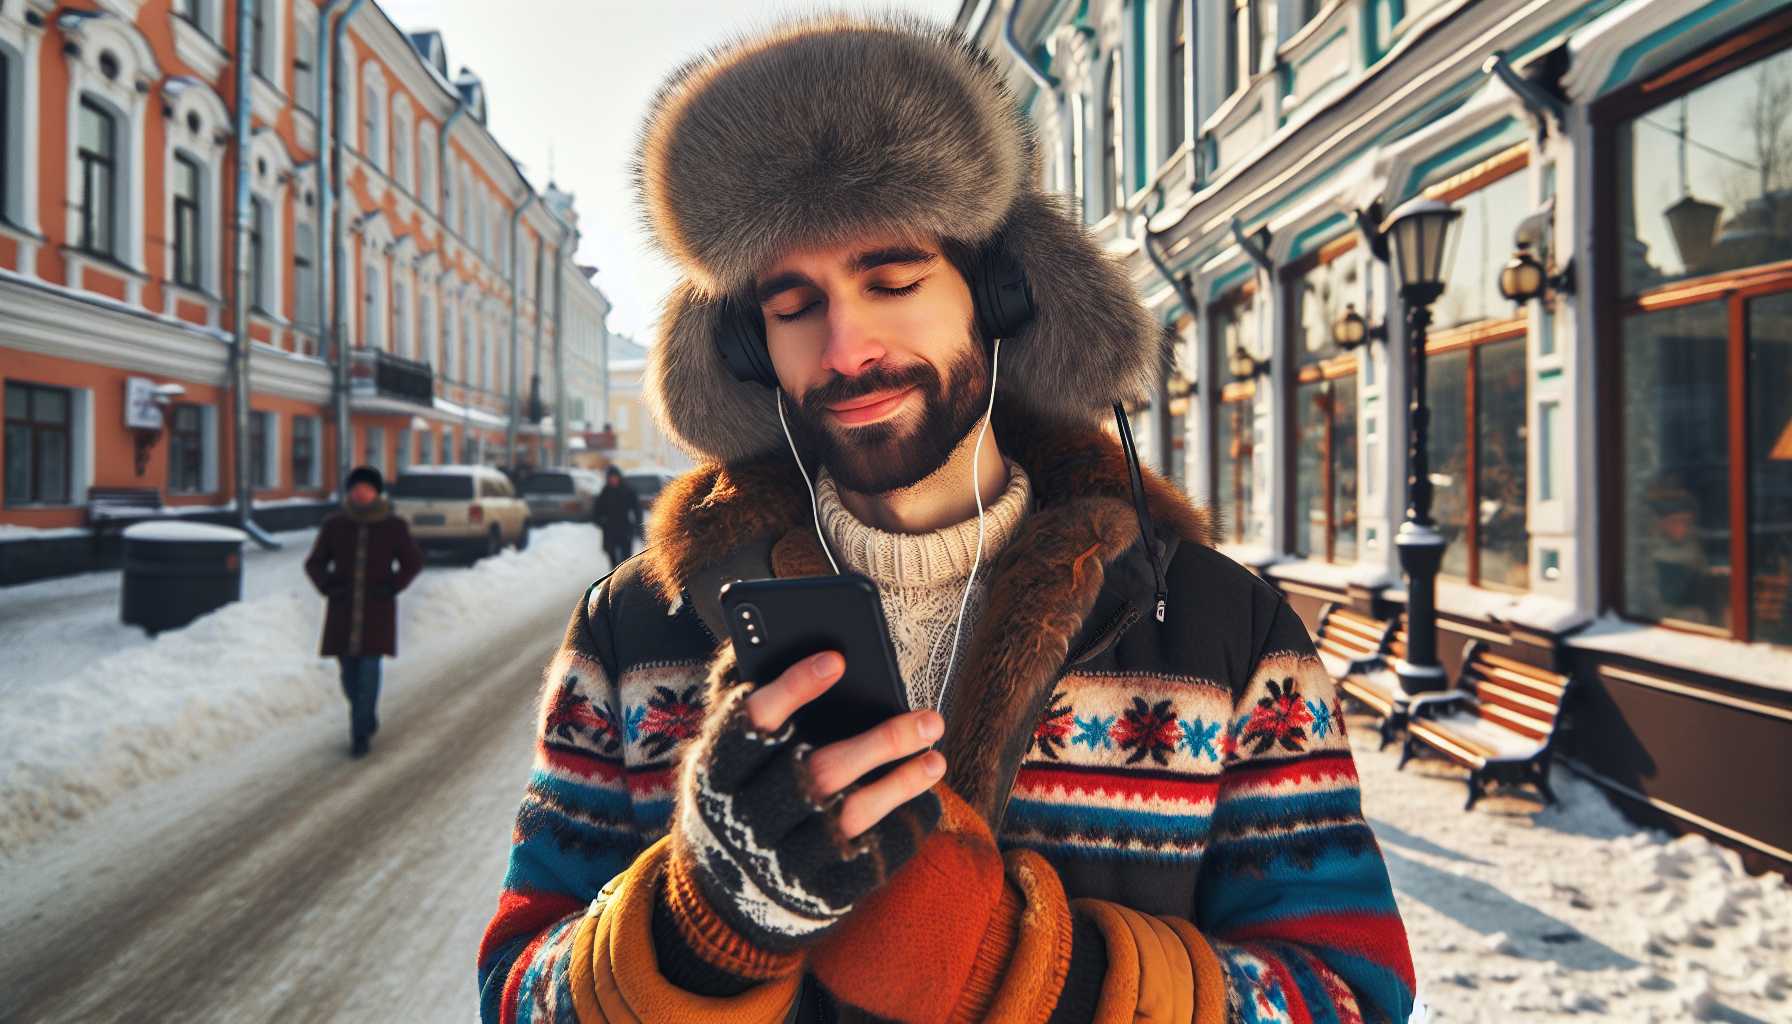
1000,295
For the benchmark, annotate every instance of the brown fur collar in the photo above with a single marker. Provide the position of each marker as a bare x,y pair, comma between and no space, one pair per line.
1042,586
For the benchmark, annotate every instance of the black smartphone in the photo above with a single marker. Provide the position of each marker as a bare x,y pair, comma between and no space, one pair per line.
777,623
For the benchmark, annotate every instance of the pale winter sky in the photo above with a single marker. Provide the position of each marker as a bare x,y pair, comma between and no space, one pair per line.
576,77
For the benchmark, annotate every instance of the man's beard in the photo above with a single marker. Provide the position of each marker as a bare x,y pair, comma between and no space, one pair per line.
896,453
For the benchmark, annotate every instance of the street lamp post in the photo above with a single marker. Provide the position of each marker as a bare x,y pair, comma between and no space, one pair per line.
1419,234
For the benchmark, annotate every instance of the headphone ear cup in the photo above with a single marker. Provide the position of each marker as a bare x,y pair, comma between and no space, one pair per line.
1003,296
740,338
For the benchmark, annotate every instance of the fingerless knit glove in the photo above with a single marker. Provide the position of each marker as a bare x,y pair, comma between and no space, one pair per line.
759,869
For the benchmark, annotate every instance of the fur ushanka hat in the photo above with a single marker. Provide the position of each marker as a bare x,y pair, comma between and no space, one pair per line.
828,129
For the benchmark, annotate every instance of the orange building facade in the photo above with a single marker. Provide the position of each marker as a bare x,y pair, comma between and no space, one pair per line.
427,253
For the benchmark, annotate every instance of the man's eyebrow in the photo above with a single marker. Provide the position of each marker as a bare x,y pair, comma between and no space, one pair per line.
780,283
895,254
871,259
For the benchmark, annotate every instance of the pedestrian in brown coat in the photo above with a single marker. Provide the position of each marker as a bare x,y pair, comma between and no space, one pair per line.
364,556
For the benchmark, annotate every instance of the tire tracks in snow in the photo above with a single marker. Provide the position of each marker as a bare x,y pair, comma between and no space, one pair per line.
313,887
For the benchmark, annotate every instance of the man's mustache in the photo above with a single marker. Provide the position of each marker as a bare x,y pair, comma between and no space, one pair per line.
878,378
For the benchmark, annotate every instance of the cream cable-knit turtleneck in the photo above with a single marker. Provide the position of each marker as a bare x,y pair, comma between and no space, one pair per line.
921,577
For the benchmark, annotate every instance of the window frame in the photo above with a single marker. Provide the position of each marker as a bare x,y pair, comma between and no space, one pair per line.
1294,379
89,161
304,81
1176,73
1113,143
189,223
34,430
1234,398
258,253
1747,46
310,434
177,442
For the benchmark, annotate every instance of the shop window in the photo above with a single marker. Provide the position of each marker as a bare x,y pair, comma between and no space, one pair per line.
1233,323
1476,395
186,449
304,451
262,434
1702,343
1490,217
39,455
1706,179
1323,455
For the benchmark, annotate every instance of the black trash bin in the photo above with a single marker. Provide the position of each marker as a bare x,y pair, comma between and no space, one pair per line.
176,572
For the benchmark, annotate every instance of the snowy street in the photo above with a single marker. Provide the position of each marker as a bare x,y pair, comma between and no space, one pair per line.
185,838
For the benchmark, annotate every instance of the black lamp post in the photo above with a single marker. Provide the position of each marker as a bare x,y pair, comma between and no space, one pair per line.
1419,236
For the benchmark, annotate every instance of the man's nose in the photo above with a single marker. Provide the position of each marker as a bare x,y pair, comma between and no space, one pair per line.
852,346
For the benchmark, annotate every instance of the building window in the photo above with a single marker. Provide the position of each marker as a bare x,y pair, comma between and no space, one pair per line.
6,123
186,221
425,328
186,449
304,451
401,150
426,165
1477,397
445,366
261,435
1234,323
1176,109
258,276
373,451
370,120
39,457
401,338
1490,217
1113,106
260,44
99,173
1323,455
370,308
426,448
1702,345
188,9
403,461
304,274
304,86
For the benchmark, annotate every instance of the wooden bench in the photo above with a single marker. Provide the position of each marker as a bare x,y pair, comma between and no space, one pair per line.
119,506
1500,723
1356,650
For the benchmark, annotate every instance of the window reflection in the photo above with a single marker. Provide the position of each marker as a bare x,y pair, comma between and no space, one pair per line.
1706,181
1446,382
1770,470
1677,465
1490,217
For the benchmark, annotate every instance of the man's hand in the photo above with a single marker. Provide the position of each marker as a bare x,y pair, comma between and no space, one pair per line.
781,839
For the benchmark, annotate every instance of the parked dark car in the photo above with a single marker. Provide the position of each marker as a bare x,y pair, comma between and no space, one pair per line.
561,495
647,485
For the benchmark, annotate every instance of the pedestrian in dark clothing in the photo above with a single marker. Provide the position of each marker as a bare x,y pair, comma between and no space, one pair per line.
618,515
364,556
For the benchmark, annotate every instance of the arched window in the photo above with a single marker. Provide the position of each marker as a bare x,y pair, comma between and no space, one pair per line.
1112,105
401,144
96,148
1176,105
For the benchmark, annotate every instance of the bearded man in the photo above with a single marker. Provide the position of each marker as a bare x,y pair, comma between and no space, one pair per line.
1122,790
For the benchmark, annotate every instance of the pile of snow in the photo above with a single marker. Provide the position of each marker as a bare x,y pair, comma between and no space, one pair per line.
70,745
1516,912
176,532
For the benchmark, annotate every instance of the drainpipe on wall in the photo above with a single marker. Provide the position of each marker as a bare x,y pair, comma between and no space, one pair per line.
516,349
332,266
535,411
239,352
560,248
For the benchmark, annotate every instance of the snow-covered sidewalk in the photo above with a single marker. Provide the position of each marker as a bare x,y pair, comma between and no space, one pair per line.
153,708
1516,912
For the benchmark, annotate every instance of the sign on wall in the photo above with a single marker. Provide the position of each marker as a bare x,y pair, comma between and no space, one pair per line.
141,410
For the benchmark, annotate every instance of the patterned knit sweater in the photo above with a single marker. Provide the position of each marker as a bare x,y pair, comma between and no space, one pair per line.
921,577
1194,771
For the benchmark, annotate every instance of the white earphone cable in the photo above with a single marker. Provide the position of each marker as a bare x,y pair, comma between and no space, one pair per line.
814,502
995,365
